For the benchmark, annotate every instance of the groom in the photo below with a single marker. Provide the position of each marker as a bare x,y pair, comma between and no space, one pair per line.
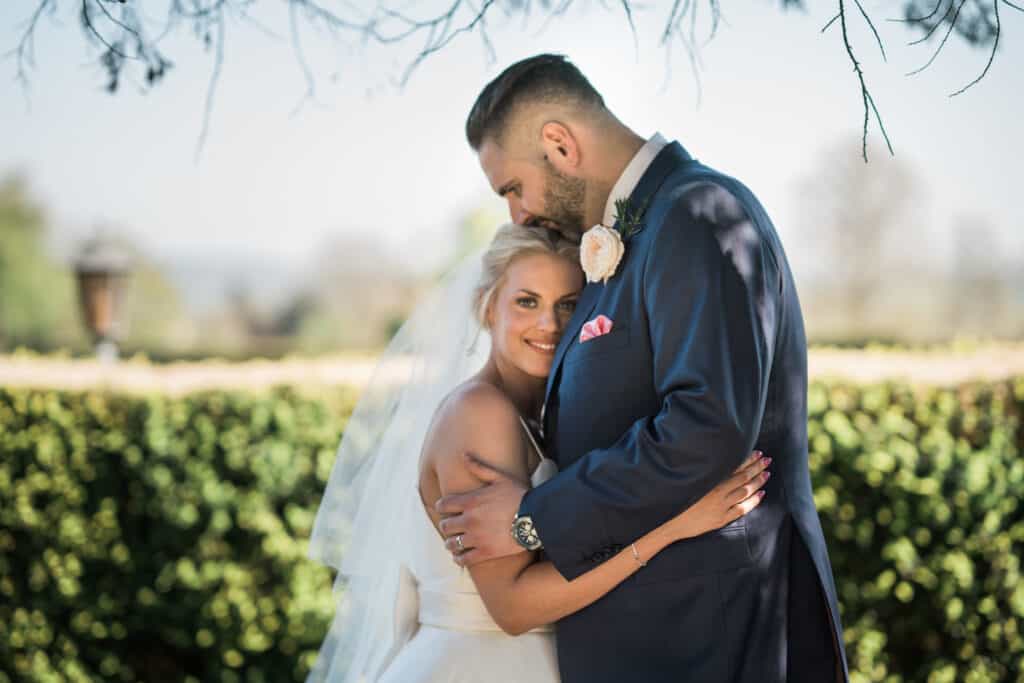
685,356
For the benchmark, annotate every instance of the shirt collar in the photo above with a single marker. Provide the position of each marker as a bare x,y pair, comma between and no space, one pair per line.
630,177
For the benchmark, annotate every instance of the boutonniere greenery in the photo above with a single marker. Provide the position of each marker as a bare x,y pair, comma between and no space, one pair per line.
628,217
602,248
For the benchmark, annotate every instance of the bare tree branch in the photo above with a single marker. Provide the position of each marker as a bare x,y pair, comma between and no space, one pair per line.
440,33
632,26
871,24
125,37
87,22
942,44
676,27
868,100
115,21
974,25
214,77
24,53
931,30
991,56
716,19
307,72
670,23
919,20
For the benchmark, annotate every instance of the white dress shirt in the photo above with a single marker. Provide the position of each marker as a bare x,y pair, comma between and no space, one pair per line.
634,170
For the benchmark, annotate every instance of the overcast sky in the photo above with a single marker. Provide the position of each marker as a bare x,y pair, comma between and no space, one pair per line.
391,164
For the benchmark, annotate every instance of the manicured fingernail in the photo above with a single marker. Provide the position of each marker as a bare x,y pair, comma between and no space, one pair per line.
767,461
759,454
762,493
767,475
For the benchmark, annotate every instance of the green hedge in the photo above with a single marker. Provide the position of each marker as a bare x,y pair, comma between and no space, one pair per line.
920,497
160,539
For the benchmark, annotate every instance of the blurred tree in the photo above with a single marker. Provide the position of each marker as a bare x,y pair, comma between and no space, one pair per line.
157,320
474,231
980,298
357,297
853,212
249,326
39,307
38,297
125,37
871,268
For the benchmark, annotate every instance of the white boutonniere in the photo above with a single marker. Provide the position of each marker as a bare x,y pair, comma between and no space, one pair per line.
602,248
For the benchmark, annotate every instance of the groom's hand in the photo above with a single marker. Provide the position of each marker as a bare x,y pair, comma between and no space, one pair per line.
483,517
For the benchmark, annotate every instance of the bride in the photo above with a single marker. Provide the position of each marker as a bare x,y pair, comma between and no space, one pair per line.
466,375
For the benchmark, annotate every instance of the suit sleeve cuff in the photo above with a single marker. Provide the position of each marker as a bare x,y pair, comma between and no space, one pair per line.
570,560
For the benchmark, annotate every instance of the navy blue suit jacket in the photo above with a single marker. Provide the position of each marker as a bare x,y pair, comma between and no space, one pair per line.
705,362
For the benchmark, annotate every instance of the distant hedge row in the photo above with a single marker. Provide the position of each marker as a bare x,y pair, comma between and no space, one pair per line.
158,539
920,497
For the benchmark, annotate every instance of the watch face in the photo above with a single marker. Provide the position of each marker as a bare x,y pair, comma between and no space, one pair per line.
525,534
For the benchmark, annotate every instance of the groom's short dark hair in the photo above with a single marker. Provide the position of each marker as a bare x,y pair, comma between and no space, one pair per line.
543,78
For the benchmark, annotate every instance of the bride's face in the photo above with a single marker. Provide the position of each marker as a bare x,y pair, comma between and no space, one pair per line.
531,309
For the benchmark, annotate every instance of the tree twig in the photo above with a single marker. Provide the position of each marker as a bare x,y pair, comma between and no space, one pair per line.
868,100
921,20
300,57
871,25
942,44
931,30
632,26
24,53
214,78
991,56
124,40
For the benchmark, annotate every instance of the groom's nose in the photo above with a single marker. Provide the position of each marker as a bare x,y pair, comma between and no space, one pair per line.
518,213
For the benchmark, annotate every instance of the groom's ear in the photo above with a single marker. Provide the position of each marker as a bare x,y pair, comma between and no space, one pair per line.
560,146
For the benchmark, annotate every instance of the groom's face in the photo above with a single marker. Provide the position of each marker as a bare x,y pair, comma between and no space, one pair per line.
536,192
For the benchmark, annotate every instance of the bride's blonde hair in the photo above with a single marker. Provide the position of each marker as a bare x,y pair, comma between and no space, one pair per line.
510,242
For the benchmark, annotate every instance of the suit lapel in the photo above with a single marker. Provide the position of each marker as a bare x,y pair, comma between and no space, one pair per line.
668,160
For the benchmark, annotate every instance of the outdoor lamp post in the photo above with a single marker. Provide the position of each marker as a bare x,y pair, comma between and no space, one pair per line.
102,268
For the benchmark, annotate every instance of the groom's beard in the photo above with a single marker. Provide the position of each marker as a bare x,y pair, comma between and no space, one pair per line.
564,197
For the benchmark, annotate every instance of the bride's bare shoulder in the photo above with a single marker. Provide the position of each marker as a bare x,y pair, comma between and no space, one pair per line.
479,418
477,404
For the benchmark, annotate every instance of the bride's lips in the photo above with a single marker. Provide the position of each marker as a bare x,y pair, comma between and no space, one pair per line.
547,348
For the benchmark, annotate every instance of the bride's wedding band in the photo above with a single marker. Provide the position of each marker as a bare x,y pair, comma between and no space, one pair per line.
458,542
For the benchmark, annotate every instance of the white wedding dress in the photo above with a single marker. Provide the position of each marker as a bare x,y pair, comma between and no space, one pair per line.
455,639
406,613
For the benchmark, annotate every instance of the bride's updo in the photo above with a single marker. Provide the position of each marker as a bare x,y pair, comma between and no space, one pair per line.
510,242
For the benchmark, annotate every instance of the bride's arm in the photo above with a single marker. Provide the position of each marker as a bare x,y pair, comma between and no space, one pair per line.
538,594
521,594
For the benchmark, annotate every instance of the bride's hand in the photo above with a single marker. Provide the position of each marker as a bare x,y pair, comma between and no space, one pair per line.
727,502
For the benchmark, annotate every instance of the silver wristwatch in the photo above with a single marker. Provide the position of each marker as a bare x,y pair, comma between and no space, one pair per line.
525,533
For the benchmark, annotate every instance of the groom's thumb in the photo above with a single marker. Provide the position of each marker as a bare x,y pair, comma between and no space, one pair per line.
481,470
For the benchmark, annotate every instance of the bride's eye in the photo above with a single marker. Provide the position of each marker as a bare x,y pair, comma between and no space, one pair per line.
568,306
527,302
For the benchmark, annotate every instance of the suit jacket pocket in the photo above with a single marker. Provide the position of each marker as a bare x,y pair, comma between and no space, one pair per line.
618,338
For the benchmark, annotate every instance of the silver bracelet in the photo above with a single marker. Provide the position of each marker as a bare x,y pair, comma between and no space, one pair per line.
636,555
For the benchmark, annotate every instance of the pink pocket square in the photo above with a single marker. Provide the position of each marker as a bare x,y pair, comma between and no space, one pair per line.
595,328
